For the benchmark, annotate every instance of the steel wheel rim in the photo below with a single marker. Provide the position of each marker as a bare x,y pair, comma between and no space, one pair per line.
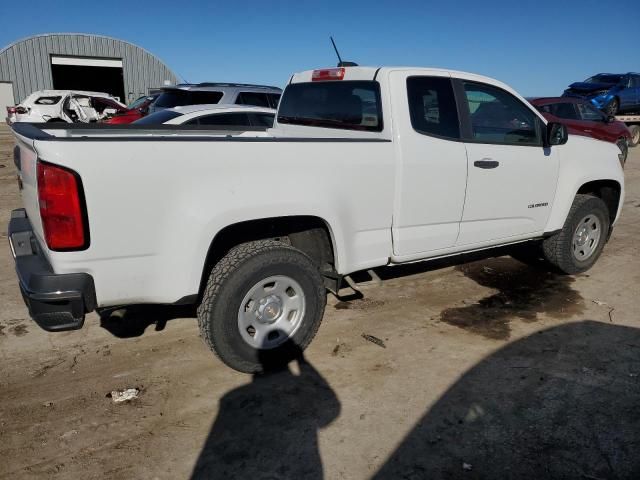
586,237
635,139
271,312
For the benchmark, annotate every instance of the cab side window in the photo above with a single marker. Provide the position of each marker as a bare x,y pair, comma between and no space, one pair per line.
432,107
496,116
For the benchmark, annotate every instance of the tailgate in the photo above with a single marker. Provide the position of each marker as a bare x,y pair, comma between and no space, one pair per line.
25,158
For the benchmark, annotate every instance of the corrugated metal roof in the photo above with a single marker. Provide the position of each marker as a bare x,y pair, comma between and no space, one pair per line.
27,62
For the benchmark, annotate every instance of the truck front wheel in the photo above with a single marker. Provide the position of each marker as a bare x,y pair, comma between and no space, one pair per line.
578,245
262,305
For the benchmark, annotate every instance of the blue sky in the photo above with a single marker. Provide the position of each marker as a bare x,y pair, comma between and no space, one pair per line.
536,47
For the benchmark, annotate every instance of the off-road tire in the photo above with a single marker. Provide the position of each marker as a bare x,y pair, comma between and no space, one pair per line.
229,281
558,249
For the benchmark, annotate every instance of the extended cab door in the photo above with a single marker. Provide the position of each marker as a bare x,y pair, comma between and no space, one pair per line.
512,177
432,170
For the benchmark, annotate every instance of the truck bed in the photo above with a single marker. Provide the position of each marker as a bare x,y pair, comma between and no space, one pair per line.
156,197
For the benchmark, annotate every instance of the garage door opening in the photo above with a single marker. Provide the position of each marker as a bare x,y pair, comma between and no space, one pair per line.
91,74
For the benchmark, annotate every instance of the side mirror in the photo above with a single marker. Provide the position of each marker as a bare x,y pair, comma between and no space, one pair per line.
556,134
610,119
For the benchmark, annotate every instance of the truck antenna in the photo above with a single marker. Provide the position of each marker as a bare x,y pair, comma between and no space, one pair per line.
340,62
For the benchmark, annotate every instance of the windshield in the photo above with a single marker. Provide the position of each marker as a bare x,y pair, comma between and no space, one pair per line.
158,118
350,105
177,98
604,79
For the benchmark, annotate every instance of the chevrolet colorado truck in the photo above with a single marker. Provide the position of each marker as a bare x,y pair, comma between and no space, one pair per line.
364,167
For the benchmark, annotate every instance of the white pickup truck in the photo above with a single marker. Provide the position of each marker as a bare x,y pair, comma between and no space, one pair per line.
364,167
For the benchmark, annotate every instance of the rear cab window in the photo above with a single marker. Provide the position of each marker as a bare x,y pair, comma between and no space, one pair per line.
347,105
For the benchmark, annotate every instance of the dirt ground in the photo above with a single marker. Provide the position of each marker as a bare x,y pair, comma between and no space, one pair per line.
490,369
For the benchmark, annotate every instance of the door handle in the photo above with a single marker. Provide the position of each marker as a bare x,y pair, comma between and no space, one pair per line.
486,163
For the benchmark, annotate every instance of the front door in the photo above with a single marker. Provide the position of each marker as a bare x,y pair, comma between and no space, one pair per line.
512,177
432,174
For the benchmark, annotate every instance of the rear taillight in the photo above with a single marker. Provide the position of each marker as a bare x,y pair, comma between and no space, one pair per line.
17,109
62,208
328,74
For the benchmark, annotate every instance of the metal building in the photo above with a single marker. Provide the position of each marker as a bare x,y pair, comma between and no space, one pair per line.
79,61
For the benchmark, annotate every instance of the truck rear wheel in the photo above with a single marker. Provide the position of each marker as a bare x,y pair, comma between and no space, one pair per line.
262,305
578,245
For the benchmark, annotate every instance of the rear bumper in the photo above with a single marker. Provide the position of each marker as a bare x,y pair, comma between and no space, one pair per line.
56,302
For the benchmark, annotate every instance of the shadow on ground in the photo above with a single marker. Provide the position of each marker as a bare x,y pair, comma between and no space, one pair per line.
561,403
268,429
133,320
521,292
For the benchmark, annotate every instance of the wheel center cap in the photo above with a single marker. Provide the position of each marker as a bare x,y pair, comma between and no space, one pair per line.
270,309
582,237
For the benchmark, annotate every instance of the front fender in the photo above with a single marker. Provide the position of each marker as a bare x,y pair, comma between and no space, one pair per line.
583,160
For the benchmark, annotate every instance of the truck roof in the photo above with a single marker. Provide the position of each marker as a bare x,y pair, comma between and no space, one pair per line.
371,73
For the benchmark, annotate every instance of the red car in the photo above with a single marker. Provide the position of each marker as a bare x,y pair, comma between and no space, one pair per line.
583,119
135,111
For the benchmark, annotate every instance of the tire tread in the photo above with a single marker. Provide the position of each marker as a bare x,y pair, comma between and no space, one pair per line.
220,273
555,247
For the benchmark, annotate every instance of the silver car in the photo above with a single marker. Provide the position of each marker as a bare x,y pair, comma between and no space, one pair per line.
217,93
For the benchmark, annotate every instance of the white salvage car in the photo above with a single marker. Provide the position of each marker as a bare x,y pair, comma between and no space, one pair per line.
364,167
212,115
67,106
